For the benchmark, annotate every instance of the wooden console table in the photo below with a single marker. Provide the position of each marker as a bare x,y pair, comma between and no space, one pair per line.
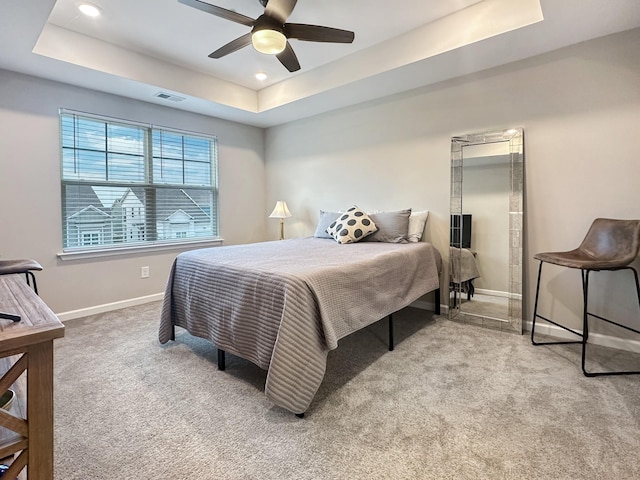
27,345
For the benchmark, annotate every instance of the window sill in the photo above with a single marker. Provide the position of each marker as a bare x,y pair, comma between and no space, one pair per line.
135,249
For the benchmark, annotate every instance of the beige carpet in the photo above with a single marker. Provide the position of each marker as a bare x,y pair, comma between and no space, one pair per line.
451,402
489,306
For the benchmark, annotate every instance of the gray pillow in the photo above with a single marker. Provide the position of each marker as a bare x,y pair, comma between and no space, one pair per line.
393,227
325,220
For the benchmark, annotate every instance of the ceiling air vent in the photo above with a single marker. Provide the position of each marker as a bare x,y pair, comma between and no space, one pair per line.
169,96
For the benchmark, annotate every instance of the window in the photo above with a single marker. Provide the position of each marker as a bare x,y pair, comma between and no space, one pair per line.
90,238
132,184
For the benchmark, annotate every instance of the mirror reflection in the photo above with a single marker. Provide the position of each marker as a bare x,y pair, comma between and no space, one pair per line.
485,258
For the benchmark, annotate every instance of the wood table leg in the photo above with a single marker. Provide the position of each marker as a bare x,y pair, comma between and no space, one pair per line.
40,411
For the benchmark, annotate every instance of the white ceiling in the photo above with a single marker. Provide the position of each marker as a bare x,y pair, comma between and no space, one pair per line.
184,36
138,48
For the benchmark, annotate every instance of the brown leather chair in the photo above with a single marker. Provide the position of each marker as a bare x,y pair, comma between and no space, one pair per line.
22,265
609,245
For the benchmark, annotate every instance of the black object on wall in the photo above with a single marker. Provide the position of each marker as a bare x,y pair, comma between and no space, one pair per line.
461,231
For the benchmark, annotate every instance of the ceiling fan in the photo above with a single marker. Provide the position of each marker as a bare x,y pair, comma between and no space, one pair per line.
270,32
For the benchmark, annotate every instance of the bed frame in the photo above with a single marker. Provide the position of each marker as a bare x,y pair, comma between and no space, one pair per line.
293,342
222,359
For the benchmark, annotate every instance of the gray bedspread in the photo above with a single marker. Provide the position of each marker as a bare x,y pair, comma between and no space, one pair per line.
463,265
284,305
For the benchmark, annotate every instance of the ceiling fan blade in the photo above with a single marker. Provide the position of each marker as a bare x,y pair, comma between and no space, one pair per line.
317,33
288,58
219,12
232,46
280,9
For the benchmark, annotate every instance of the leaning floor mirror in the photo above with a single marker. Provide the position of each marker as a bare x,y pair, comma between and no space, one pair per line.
487,210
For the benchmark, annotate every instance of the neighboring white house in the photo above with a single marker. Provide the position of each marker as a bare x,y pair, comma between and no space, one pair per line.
89,226
129,216
113,215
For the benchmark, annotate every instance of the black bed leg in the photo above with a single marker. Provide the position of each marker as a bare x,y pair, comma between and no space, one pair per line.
437,301
173,332
390,332
221,364
300,415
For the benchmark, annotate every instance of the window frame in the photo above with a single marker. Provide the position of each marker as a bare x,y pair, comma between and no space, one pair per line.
148,184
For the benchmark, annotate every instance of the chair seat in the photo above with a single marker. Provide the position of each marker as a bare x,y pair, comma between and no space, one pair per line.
581,259
22,265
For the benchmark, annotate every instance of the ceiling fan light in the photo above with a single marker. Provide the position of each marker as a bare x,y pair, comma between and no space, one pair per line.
268,41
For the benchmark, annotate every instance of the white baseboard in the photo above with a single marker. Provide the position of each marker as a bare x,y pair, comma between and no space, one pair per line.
498,293
429,306
108,307
544,329
609,341
423,305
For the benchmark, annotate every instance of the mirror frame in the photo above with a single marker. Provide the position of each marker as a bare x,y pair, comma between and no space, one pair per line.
515,137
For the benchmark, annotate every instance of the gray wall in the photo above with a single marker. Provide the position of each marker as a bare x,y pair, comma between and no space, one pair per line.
579,106
30,216
485,195
580,109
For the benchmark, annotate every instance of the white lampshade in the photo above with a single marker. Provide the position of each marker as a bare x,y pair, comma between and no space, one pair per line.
268,41
280,210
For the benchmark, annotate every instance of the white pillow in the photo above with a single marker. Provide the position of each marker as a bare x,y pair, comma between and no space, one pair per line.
417,222
352,226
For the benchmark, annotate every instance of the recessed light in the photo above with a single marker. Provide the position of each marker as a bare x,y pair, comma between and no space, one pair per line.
261,76
89,9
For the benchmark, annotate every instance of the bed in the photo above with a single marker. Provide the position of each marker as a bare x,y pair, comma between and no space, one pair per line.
464,269
283,305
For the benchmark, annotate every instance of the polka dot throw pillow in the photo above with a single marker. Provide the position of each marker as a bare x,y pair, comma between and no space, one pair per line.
352,226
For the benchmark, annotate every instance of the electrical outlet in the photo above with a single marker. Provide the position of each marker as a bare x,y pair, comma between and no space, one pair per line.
144,272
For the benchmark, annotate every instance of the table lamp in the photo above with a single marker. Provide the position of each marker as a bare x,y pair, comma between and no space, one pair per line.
281,211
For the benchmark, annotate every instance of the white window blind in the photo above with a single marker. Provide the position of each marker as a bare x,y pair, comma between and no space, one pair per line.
132,184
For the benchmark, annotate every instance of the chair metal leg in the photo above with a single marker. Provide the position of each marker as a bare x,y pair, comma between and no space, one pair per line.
535,306
586,326
221,360
13,318
585,321
585,317
28,274
536,315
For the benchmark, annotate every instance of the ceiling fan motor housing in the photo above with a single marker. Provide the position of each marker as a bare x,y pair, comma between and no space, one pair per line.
265,22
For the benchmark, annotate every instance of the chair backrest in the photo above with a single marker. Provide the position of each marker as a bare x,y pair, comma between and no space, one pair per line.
613,240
